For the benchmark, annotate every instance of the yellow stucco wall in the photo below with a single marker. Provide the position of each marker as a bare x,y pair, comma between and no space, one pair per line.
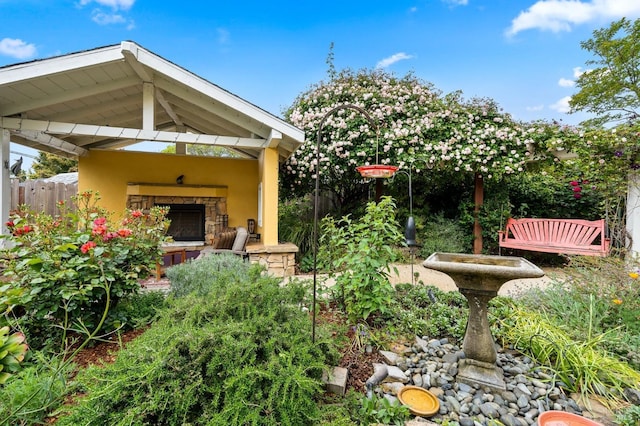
109,172
269,178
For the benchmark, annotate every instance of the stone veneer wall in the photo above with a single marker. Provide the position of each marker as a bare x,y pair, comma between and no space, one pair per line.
215,209
279,260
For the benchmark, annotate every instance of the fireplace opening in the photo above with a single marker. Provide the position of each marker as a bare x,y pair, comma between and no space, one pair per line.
187,222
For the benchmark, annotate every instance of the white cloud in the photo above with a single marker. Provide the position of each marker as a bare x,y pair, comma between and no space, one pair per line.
413,9
113,4
17,48
101,18
393,59
112,17
562,105
535,108
223,35
561,15
565,82
457,2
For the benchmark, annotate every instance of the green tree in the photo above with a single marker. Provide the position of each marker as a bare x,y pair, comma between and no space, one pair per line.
47,165
611,90
204,151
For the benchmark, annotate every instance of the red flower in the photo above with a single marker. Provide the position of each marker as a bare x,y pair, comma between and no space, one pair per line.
577,195
100,221
124,232
574,183
99,230
87,246
22,230
10,224
109,236
136,213
577,189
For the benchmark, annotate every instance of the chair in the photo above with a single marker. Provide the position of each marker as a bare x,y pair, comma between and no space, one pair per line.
234,242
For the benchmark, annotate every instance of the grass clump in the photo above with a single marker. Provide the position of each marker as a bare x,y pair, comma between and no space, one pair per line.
29,396
234,348
581,365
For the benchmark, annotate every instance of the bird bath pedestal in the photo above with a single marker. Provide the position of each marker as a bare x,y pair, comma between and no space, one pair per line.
478,278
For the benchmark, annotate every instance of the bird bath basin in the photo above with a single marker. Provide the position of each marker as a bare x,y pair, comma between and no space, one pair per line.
478,278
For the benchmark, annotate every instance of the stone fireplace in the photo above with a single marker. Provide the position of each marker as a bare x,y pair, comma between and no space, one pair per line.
194,218
187,222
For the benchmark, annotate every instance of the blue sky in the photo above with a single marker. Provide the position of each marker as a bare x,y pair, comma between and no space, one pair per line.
524,54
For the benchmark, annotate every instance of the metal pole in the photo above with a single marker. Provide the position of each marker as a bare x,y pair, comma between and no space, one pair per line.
316,196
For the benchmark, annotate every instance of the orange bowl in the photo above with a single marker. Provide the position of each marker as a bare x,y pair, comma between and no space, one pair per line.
420,401
562,418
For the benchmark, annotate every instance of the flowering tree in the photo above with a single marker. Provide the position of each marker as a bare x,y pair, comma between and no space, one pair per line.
417,127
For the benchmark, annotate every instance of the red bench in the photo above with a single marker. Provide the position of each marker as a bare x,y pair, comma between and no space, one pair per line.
563,236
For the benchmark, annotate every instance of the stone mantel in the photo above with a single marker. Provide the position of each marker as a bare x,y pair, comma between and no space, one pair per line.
176,190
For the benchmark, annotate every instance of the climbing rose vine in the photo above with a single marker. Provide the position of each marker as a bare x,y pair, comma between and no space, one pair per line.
417,125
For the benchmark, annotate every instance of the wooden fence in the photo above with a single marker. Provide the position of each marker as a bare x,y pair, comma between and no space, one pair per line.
42,196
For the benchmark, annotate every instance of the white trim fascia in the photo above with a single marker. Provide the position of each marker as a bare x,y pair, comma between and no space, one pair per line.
59,64
60,128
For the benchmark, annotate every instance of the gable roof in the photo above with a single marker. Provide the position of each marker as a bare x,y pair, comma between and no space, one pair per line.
115,96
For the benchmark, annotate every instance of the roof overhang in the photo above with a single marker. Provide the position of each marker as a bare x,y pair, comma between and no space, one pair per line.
115,96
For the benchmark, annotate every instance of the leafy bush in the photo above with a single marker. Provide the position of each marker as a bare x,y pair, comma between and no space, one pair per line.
65,263
629,416
444,235
361,250
228,352
138,310
427,311
380,410
195,277
295,224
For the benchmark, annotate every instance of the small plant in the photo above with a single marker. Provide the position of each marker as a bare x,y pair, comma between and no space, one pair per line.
381,410
362,250
629,416
12,351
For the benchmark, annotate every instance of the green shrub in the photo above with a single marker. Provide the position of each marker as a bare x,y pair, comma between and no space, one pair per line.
596,296
295,224
427,311
444,235
138,310
629,416
239,354
362,250
379,410
201,276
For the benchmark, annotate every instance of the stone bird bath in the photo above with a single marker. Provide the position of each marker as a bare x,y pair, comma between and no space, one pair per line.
478,278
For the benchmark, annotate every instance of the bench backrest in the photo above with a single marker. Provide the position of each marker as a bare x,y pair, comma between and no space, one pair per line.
570,232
